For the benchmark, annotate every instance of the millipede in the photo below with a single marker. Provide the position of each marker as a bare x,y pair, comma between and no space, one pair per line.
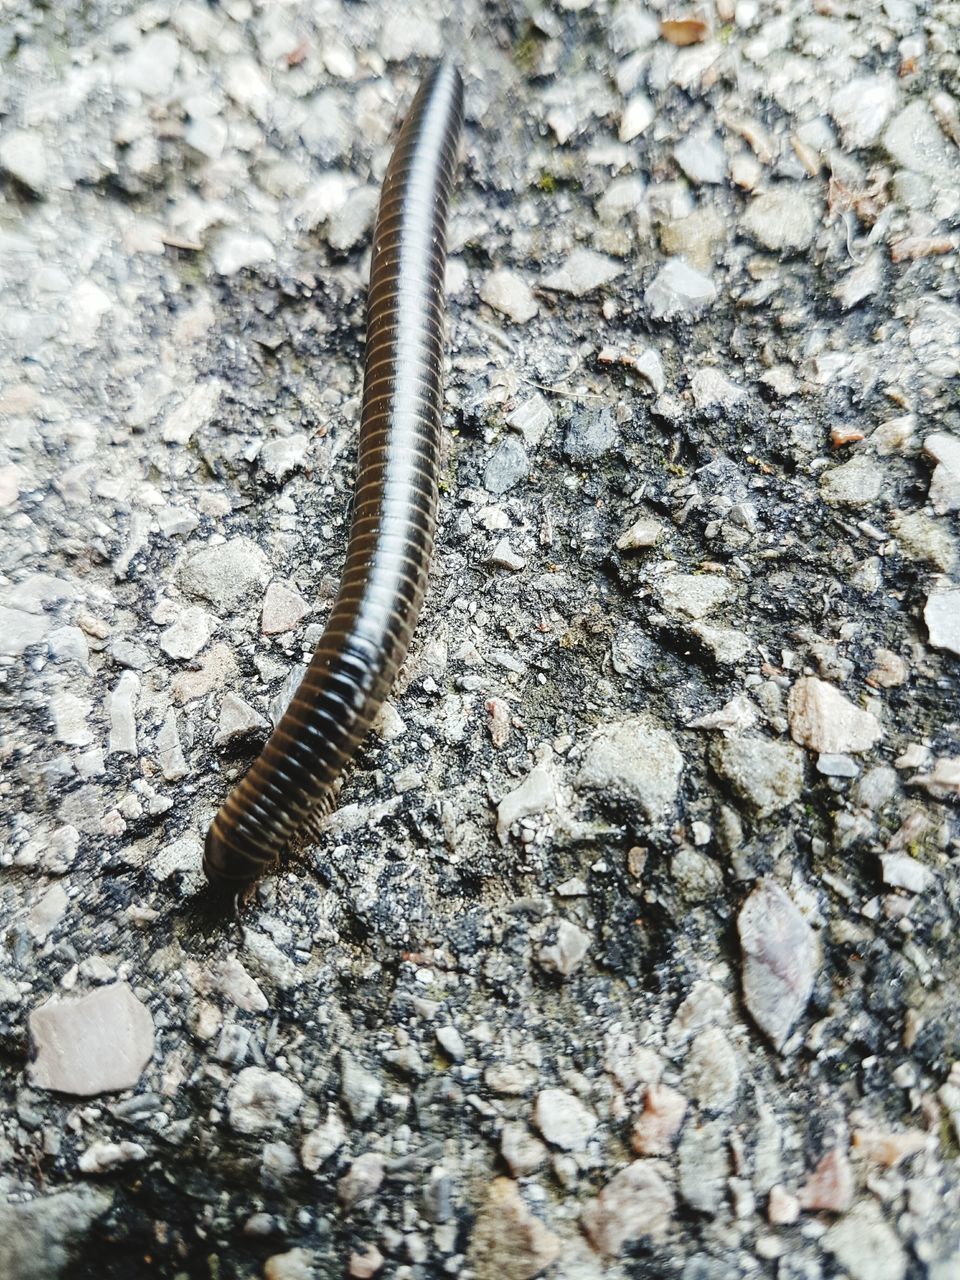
294,779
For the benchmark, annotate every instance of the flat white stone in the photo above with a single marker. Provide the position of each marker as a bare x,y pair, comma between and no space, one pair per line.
97,1044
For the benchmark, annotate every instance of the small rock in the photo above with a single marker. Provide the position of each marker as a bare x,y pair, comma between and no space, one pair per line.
362,1180
783,1209
694,595
767,776
508,293
100,1043
633,760
521,1150
19,630
582,273
408,33
704,1165
779,960
900,871
323,1142
101,1157
38,1237
711,1075
363,1266
70,719
188,635
856,483
830,1186
822,719
508,1242
508,465
359,1088
295,1264
567,953
862,107
943,781
783,219
678,291
924,539
710,386
887,1147
451,1042
351,224
563,1119
261,1100
536,794
226,573
590,434
234,251
284,455
123,727
945,483
726,644
636,1202
532,418
24,158
644,532
941,613
503,556
915,141
193,414
702,158
637,117
657,1126
173,764
283,609
866,1246
47,912
237,719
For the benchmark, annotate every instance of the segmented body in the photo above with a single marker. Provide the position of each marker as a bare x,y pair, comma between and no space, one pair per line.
394,517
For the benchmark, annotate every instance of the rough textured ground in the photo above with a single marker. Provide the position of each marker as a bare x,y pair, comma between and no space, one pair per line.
632,950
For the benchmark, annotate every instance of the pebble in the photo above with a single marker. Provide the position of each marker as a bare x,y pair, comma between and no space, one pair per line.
887,1147
507,466
783,219
582,273
363,1266
284,608
207,135
645,532
451,1042
941,613
638,115
39,1237
711,1075
862,108
532,418
563,1119
352,223
173,763
944,493
943,781
503,556
123,727
151,65
914,140
507,292
101,1157
837,766
234,251
24,158
822,719
565,955
780,960
70,719
521,1150
590,434
634,1204
726,644
194,413
678,291
69,1036
924,539
866,1246
694,595
900,871
323,1142
359,1088
656,1128
226,573
47,913
702,158
187,636
508,1241
261,1100
704,1165
829,1187
636,760
284,455
536,794
856,483
237,720
408,33
295,1264
362,1180
710,386
767,776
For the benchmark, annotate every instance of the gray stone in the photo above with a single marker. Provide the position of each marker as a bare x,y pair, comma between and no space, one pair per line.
508,1241
24,158
284,608
924,539
780,960
173,764
508,292
451,1042
711,1075
636,760
237,720
914,140
323,1142
862,107
638,115
945,482
563,1119
822,719
99,1043
702,158
590,434
359,1088
856,483
234,251
362,1180
352,223
70,719
123,725
188,635
536,794
38,1237
783,219
20,629
582,273
636,1202
866,1246
704,1165
694,595
678,291
194,413
767,776
941,613
508,465
565,955
225,573
261,1100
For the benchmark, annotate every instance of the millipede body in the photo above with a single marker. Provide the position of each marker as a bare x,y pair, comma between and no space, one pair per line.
395,506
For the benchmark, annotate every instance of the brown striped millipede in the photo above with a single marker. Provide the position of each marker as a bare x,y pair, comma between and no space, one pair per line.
395,507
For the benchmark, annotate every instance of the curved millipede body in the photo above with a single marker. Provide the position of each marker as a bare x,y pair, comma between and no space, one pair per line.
395,506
